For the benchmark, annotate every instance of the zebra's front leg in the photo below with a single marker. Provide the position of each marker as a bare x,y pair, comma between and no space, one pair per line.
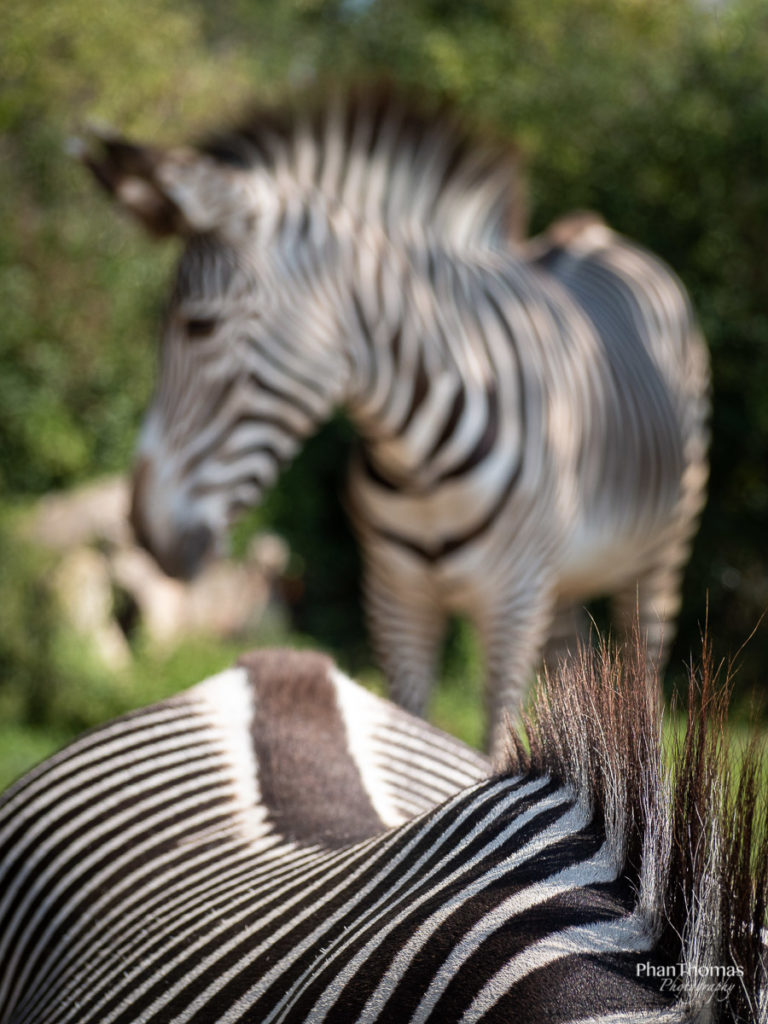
567,632
513,633
406,626
651,605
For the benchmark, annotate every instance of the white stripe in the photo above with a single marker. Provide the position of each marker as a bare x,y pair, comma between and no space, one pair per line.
244,908
672,1016
412,735
444,774
405,786
173,781
599,868
111,936
571,822
626,935
45,790
361,713
101,855
214,918
230,710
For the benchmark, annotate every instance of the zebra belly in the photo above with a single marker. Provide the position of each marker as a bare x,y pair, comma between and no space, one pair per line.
599,569
588,552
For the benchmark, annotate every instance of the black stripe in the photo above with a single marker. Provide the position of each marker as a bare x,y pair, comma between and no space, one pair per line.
373,472
170,714
451,422
420,390
581,986
63,863
139,907
435,552
486,442
370,859
309,783
377,858
73,921
113,764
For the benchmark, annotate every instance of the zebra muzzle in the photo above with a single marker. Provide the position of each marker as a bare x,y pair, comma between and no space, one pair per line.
179,550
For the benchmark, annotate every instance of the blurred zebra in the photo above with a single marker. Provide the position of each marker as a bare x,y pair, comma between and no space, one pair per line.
532,416
278,845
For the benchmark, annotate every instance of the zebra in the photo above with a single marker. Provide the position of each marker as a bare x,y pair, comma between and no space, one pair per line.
277,844
532,415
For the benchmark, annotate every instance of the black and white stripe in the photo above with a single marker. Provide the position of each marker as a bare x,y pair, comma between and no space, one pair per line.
533,415
277,845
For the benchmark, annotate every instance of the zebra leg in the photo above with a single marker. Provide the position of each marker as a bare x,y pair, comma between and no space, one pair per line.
407,626
567,631
513,633
652,605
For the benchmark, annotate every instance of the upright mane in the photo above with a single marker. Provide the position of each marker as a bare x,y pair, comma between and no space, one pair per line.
388,158
691,828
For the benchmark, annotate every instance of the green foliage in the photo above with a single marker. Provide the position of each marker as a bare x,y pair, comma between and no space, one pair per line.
52,684
654,112
28,621
323,584
458,704
80,291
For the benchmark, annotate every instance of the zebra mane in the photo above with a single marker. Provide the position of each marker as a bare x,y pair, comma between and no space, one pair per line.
388,158
688,822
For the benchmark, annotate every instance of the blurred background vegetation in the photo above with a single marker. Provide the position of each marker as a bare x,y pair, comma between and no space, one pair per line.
653,112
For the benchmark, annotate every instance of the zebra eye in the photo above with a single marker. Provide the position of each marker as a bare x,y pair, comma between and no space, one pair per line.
201,327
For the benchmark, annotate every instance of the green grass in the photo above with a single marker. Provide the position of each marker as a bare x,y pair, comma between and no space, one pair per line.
22,746
92,695
83,694
89,695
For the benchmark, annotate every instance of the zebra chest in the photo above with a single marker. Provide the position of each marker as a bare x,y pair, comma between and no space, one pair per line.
432,521
429,490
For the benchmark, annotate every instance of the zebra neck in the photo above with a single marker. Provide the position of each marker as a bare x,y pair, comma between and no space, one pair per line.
421,410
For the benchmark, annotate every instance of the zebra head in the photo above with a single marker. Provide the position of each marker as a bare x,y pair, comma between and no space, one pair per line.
248,364
290,290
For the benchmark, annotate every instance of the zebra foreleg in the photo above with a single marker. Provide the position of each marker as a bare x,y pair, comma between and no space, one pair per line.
513,636
406,627
567,632
652,605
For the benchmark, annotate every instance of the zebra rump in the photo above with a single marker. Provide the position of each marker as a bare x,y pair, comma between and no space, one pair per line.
277,844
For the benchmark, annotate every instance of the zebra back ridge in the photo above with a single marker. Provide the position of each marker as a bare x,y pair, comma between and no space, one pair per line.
277,844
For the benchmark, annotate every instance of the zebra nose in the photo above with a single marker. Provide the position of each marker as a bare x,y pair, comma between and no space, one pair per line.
139,498
183,551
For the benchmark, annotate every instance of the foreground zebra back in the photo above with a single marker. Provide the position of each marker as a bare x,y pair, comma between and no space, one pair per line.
278,845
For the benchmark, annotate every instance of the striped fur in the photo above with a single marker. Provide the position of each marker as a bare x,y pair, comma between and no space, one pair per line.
532,415
278,845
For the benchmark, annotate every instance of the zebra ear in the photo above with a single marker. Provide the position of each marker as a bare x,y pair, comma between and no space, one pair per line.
170,191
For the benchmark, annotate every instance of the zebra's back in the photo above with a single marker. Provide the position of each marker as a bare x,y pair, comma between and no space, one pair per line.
278,845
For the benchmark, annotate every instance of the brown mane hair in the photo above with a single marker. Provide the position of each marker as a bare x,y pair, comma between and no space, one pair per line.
416,138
